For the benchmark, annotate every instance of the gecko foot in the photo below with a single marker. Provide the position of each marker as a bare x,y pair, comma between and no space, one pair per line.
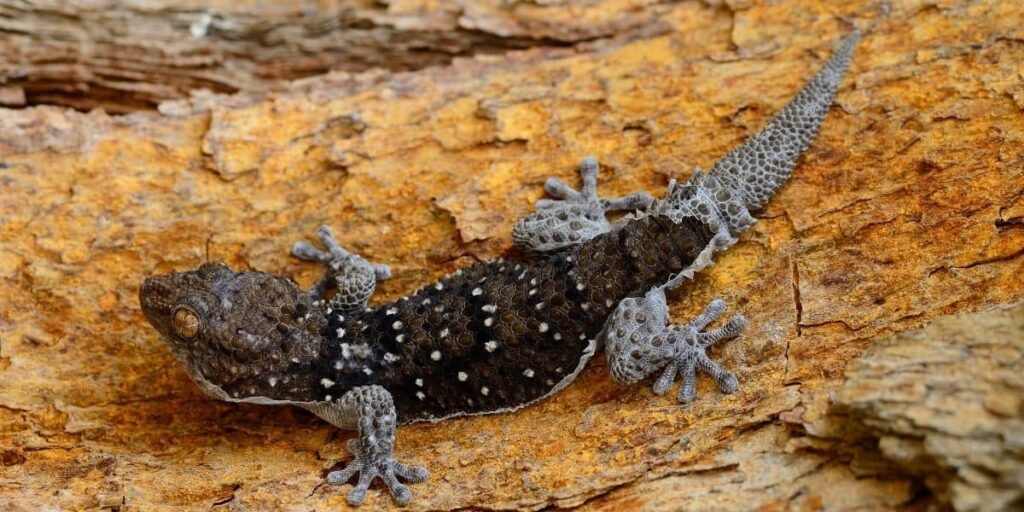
370,467
354,277
691,355
574,216
639,340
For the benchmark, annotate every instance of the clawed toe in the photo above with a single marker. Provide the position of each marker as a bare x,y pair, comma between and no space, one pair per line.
572,216
389,471
305,251
352,275
692,357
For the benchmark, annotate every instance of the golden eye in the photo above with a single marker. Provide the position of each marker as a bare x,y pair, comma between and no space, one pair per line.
185,322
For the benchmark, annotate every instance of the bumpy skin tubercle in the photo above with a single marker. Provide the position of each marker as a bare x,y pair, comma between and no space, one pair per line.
495,336
374,448
639,341
353,278
740,182
573,217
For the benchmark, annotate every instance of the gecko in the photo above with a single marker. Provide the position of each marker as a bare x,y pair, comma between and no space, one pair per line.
495,336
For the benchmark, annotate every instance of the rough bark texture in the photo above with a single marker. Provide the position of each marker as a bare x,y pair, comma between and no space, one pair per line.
909,206
947,403
126,56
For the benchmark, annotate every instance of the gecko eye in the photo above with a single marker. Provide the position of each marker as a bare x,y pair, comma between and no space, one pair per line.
185,322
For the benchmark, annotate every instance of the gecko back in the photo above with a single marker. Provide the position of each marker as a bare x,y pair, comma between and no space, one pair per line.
499,335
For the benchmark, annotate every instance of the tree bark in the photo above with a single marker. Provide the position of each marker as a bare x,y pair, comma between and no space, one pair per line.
908,207
131,56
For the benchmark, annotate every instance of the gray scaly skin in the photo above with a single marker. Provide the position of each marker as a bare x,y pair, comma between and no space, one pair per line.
495,336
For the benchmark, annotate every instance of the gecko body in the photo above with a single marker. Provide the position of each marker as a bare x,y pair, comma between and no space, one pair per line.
495,336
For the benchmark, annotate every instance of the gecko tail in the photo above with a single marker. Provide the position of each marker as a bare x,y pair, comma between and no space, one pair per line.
765,161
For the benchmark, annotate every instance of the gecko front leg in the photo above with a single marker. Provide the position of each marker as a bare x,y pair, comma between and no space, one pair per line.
354,277
373,412
640,341
573,217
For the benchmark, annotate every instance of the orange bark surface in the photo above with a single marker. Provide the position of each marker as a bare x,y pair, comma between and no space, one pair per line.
908,206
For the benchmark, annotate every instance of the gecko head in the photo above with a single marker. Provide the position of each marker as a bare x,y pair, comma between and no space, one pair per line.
239,335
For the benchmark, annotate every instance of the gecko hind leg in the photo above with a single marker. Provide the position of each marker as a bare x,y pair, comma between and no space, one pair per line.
639,341
574,216
374,448
354,277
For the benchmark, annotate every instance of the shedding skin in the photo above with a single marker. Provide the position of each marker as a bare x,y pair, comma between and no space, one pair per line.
495,336
638,339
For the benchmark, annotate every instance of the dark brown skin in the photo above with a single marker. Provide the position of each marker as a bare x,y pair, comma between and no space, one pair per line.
258,336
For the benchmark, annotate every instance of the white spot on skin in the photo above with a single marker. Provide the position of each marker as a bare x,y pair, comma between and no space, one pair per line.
528,373
609,303
539,306
543,327
585,306
462,376
367,371
435,355
327,398
272,381
533,291
444,332
581,287
533,282
419,382
340,332
439,287
397,325
338,365
400,338
391,311
491,346
477,291
346,351
327,383
490,308
558,336
549,382
420,395
390,358
362,351
488,321
295,360
484,391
